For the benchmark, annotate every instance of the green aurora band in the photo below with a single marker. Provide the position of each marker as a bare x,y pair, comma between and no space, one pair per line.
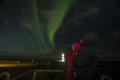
44,35
60,8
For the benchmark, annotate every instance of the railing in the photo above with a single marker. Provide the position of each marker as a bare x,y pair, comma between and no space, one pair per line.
35,73
7,74
105,77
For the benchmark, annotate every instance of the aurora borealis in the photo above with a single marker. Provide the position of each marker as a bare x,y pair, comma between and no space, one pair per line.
44,34
29,19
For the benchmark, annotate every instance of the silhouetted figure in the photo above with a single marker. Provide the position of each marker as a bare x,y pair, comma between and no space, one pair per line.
85,62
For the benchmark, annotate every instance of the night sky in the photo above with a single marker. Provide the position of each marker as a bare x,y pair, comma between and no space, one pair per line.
49,26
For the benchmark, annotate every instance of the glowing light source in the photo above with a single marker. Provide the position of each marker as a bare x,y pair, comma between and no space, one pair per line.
63,57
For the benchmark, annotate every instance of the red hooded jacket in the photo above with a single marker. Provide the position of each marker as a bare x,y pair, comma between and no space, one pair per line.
70,58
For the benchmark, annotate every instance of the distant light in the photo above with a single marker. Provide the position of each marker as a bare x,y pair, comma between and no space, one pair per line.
0,65
33,60
62,57
18,61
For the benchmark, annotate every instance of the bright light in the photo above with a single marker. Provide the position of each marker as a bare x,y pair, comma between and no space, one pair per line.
18,61
63,57
33,60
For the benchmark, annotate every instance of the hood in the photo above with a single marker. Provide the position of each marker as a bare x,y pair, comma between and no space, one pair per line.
89,38
76,45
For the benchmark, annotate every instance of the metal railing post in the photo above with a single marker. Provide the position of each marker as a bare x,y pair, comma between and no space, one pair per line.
34,75
21,75
105,77
7,75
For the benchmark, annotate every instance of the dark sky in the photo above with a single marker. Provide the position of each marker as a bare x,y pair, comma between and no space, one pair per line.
100,16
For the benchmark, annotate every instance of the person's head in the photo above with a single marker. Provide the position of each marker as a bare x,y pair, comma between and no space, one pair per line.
89,38
76,46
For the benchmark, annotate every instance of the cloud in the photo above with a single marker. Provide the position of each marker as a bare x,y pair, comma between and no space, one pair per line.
28,26
47,13
116,35
3,39
80,16
6,38
93,10
64,32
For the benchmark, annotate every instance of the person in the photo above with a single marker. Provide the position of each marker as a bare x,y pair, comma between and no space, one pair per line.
70,57
85,62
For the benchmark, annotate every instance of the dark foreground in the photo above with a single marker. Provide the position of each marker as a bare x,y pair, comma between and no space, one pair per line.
109,70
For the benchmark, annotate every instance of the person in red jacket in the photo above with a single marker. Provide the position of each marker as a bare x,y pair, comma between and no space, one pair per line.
70,57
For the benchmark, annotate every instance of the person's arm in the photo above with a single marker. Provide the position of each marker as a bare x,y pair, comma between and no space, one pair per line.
81,59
